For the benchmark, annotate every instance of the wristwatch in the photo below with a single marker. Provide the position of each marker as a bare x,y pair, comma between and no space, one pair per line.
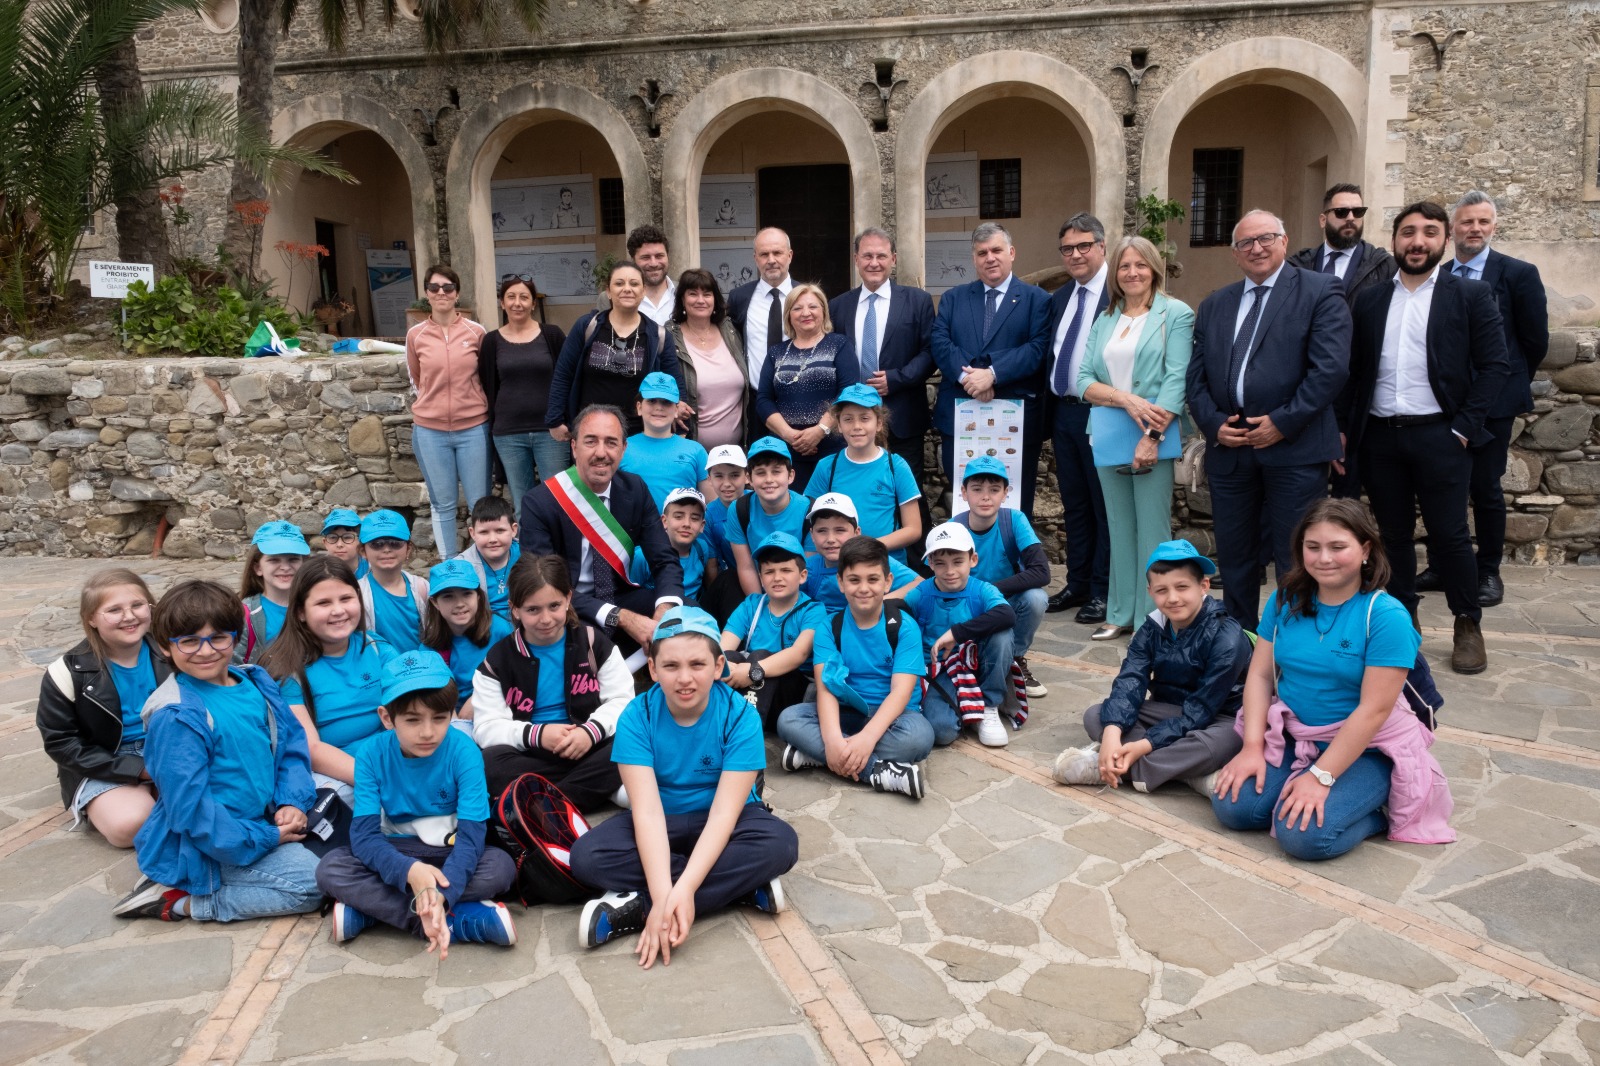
1323,777
758,676
1155,435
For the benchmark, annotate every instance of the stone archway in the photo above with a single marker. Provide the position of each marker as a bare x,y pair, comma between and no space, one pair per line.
725,102
994,76
477,147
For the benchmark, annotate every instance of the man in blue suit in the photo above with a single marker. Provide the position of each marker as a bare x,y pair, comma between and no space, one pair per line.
892,328
988,341
1519,291
1271,355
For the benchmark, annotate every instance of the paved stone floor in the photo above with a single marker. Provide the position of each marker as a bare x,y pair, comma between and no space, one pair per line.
1004,920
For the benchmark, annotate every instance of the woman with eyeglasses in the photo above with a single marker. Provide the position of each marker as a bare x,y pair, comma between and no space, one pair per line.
711,354
449,411
515,366
802,375
1135,360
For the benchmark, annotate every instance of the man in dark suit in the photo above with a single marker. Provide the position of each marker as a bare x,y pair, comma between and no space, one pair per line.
1271,354
1519,291
988,341
1073,309
1427,357
892,328
766,294
561,517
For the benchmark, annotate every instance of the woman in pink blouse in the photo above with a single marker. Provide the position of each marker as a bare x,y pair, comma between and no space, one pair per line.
712,358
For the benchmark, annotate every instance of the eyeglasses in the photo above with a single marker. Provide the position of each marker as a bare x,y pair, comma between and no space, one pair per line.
191,645
387,544
1346,212
1077,249
444,287
1244,244
339,538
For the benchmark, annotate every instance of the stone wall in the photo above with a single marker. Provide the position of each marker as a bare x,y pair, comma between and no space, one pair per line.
95,453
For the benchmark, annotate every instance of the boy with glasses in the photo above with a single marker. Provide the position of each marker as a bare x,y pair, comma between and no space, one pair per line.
341,538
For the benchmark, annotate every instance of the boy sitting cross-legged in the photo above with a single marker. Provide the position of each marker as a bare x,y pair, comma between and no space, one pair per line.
1171,709
831,524
966,685
770,507
494,550
1010,556
417,859
698,836
867,723
769,637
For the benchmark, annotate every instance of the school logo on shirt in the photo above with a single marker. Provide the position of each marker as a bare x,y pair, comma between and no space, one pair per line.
444,794
1345,645
705,760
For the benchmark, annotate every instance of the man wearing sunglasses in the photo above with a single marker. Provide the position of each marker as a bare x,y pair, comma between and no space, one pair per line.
1356,263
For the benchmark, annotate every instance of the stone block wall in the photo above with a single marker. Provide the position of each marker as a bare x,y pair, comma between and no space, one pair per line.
95,453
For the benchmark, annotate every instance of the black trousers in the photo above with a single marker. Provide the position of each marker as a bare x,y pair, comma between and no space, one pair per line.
1488,498
1083,502
588,782
911,449
1423,468
1256,506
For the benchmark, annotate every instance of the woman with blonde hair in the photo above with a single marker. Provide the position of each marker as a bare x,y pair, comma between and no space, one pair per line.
803,373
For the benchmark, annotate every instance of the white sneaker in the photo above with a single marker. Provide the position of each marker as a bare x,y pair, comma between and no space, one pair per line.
1078,766
992,732
620,797
1205,784
898,777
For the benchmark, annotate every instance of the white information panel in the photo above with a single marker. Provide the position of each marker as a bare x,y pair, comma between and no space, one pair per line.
109,280
391,281
992,428
564,273
542,207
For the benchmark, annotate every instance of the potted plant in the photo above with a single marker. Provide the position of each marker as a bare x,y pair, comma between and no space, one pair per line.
329,311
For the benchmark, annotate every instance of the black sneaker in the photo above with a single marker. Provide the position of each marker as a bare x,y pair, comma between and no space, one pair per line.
612,915
899,777
795,759
150,900
768,898
1030,684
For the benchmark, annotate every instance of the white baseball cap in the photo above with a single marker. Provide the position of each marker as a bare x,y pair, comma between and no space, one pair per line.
949,536
684,493
837,502
727,455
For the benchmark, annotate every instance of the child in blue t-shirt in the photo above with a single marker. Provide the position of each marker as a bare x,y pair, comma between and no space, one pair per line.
881,483
866,724
683,515
725,469
341,538
394,602
494,551
461,628
276,551
1010,556
955,608
417,859
664,460
698,836
768,638
832,524
771,507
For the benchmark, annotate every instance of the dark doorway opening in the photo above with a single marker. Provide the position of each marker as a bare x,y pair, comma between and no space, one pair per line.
328,265
812,205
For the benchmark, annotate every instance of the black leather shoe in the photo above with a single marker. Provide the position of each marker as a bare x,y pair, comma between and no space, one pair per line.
1065,600
1091,613
1491,590
1428,581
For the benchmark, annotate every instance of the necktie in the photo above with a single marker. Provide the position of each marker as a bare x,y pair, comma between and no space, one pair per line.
1063,384
869,337
990,302
1328,267
774,319
605,578
1463,271
1241,343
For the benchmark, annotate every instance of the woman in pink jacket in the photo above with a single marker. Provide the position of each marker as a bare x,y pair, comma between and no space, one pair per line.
1356,760
450,413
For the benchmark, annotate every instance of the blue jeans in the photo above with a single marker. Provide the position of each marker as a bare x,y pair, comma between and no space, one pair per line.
909,738
283,881
994,677
526,454
1030,605
1352,813
447,458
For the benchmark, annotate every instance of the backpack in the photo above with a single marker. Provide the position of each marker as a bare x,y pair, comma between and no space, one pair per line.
1422,695
1008,534
974,595
538,825
891,624
888,461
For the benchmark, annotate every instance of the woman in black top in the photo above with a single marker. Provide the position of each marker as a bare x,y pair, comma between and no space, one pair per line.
607,354
801,377
515,364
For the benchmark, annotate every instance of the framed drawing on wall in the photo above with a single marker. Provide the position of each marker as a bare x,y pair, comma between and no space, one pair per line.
538,207
948,259
564,273
950,185
728,205
730,262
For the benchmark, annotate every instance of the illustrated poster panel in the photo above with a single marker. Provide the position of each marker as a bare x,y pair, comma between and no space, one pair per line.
947,259
392,284
564,273
731,262
950,185
540,207
992,428
728,205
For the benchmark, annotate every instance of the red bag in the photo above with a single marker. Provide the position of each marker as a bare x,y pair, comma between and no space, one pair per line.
538,825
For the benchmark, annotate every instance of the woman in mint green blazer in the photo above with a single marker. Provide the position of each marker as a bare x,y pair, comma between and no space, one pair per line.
1135,359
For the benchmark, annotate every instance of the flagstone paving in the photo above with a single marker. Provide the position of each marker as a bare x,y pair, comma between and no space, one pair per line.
1002,921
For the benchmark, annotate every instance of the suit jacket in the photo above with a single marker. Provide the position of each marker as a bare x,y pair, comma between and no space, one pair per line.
546,530
906,357
1014,350
1519,291
739,304
1060,303
1466,355
1298,364
1160,363
1369,265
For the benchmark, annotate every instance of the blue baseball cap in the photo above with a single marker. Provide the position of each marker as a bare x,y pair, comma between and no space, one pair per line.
658,386
985,466
681,620
341,518
381,524
770,445
860,395
280,538
452,574
415,671
1180,551
780,544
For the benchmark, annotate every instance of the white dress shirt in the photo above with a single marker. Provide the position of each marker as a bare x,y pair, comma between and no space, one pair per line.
1403,387
661,313
1475,266
884,296
755,326
1341,264
1095,286
1245,301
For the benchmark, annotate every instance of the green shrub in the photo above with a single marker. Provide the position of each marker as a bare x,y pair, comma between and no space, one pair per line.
214,321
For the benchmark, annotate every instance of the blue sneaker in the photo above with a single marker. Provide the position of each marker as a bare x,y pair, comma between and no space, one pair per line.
481,923
612,915
767,898
348,922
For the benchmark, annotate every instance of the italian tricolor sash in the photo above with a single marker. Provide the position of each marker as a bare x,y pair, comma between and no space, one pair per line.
594,520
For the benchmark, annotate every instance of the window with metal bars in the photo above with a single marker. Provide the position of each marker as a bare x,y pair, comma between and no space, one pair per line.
613,219
1215,196
1000,188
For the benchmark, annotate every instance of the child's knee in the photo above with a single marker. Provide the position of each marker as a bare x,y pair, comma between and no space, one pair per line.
497,871
1311,844
1247,812
1091,722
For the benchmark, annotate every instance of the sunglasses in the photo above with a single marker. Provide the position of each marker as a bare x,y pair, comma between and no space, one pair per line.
1346,212
387,544
191,645
444,287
